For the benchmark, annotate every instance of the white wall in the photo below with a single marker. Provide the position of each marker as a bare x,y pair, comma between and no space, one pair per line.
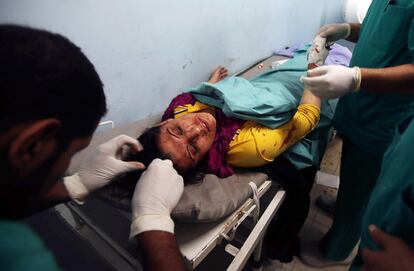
148,51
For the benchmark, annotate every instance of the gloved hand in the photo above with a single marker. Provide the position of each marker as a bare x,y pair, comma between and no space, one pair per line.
103,166
333,81
318,52
156,195
334,32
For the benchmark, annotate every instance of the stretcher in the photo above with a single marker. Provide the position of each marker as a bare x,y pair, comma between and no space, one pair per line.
197,241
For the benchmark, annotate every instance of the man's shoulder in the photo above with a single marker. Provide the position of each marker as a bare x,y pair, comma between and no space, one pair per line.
20,247
11,230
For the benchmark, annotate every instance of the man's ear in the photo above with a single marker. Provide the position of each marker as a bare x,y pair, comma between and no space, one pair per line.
33,145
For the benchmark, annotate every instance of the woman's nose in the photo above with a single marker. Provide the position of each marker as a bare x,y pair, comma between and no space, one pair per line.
195,131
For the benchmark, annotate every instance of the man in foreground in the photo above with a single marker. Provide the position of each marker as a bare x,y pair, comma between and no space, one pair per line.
51,100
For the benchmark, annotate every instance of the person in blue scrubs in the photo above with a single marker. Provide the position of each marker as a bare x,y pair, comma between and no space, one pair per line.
377,93
387,238
51,100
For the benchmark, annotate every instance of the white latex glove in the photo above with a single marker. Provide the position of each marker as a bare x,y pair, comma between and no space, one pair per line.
334,32
318,52
156,195
103,166
333,81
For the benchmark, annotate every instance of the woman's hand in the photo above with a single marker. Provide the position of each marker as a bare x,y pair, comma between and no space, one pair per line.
218,74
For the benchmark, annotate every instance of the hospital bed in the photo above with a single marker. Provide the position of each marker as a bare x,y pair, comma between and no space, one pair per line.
196,240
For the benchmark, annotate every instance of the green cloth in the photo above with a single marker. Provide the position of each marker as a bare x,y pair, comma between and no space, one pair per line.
386,39
271,99
21,249
391,206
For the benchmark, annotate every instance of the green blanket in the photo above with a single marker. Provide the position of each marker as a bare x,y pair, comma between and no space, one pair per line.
271,99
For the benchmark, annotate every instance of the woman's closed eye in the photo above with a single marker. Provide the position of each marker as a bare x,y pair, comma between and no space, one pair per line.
192,150
176,131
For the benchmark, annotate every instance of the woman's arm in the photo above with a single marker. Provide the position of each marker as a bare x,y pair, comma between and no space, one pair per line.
257,145
308,97
303,122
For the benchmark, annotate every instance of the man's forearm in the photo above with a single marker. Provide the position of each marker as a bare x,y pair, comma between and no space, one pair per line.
354,35
399,79
160,251
57,194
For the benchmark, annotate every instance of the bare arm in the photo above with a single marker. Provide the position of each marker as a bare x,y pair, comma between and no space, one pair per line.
160,251
399,79
354,36
57,194
308,97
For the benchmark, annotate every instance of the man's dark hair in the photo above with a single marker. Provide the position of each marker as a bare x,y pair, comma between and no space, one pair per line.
44,75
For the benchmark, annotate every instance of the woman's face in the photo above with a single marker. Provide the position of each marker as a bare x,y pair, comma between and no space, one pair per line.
188,138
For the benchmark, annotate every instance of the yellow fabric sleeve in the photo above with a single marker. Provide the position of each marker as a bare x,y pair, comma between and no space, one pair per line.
181,110
257,145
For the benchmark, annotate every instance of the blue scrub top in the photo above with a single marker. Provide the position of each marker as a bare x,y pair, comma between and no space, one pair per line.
386,39
391,205
21,249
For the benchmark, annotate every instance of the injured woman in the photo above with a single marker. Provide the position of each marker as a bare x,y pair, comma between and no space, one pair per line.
197,135
231,122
